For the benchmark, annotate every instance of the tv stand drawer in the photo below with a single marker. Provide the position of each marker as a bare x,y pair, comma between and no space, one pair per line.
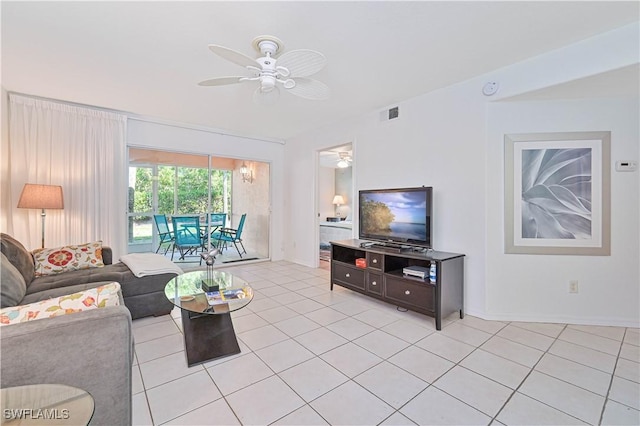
374,283
374,260
351,277
419,296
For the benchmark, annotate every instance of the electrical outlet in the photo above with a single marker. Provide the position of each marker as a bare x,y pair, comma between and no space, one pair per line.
573,286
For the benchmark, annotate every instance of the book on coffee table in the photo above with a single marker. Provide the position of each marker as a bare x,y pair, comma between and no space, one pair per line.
225,296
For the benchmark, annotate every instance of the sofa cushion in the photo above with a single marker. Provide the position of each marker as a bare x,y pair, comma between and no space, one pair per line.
18,256
12,285
49,261
109,273
61,291
99,297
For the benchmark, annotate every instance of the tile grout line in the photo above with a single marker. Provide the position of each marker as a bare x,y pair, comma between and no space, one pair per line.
376,328
613,375
531,369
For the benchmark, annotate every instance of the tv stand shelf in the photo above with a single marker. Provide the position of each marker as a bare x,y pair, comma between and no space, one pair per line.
382,277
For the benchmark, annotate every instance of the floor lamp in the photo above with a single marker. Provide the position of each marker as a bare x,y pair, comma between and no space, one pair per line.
43,197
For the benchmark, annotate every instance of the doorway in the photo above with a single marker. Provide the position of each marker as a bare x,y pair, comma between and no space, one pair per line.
335,202
174,184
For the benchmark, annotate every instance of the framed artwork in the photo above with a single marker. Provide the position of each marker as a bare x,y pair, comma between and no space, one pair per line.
557,193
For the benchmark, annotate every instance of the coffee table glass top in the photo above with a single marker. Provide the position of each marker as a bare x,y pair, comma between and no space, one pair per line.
186,292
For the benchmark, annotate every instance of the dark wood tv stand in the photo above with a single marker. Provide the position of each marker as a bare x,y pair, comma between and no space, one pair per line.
382,277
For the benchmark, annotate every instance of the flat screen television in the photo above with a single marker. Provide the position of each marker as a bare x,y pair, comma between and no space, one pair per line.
400,215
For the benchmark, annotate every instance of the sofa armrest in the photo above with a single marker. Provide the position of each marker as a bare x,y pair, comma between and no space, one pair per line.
107,255
91,350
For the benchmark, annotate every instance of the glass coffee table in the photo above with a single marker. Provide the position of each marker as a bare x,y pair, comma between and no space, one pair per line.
206,320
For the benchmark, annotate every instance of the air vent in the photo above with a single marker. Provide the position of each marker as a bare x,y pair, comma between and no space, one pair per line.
390,114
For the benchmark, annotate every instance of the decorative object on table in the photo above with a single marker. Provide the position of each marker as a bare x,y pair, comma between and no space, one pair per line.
209,284
43,197
557,193
224,296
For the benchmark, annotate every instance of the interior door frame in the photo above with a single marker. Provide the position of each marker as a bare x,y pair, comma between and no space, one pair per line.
316,214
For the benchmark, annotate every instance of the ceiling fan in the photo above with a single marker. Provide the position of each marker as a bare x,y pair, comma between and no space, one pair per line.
289,70
344,159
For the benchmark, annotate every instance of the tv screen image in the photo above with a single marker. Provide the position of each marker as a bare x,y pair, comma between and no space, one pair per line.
399,215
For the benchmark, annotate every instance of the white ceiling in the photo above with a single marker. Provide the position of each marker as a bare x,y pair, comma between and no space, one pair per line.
147,57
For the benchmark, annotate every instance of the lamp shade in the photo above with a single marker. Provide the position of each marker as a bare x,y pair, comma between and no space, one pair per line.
36,196
338,199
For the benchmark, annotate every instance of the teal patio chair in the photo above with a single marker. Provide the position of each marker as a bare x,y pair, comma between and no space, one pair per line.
229,235
164,233
217,221
188,239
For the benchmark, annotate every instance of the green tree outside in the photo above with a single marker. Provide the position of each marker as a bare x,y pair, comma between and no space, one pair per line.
189,186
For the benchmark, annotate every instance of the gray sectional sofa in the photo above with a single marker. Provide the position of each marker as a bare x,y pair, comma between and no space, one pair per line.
143,296
91,350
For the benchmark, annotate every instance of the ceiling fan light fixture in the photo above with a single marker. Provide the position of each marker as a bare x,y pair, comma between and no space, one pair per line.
344,159
289,70
266,97
268,83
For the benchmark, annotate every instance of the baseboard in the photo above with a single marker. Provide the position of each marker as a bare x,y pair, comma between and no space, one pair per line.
558,319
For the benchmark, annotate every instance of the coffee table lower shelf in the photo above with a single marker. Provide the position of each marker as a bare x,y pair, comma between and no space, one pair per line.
208,337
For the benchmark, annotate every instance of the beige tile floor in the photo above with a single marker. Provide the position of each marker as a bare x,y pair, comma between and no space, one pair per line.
314,357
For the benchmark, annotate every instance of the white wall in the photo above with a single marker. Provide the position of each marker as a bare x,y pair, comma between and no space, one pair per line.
428,145
535,287
451,139
195,140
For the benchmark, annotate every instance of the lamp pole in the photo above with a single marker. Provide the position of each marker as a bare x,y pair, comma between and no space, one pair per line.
43,215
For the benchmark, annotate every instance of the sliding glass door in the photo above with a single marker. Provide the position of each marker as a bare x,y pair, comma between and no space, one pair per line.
176,184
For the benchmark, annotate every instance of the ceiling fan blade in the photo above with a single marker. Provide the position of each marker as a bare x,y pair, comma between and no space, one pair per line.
220,81
261,97
310,89
233,56
303,62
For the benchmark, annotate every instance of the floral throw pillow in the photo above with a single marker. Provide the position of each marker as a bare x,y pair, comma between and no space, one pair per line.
50,261
99,297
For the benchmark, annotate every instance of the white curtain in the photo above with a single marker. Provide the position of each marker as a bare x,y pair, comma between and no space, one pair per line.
84,151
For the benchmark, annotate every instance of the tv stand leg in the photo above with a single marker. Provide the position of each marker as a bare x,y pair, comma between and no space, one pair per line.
461,314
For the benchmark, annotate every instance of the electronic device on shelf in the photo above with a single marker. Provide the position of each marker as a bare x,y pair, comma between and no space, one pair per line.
399,219
416,271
